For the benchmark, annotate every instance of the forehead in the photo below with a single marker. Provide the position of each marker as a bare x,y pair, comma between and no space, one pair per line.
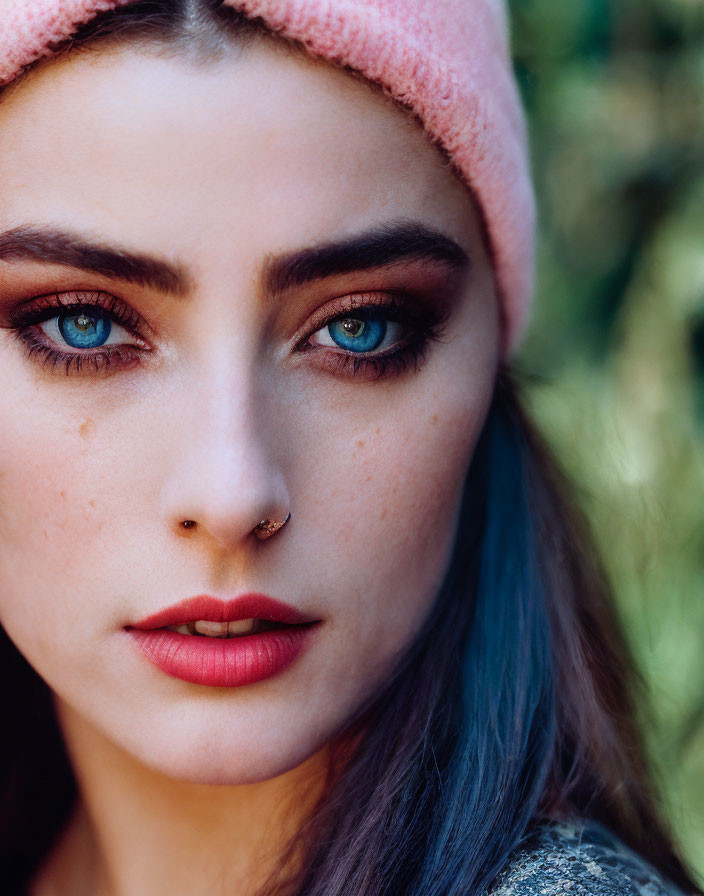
264,146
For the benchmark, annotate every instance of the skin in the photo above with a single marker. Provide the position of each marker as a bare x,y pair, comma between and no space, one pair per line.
217,168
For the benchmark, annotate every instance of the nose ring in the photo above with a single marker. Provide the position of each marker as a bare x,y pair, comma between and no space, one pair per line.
267,527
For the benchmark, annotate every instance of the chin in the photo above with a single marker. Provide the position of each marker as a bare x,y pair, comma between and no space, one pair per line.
213,757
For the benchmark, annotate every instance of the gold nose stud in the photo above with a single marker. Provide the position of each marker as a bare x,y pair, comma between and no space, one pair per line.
267,528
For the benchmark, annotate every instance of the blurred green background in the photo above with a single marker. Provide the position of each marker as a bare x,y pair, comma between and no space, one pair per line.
615,356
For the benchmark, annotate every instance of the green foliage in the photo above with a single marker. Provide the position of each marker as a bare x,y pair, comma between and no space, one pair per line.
615,356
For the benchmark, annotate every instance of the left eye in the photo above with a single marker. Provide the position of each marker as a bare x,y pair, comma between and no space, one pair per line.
88,328
359,333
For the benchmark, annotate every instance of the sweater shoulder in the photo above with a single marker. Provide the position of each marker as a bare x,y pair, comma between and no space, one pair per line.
578,857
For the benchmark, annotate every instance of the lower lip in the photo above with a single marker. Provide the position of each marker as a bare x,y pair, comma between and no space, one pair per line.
224,662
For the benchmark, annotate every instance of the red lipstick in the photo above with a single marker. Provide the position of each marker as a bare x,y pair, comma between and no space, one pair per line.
224,661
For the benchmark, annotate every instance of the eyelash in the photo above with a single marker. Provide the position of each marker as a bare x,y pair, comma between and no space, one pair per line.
423,325
25,325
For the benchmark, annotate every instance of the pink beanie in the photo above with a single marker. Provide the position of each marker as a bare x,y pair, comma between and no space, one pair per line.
446,60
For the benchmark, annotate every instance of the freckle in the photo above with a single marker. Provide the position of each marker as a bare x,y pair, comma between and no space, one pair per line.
63,493
92,503
360,444
87,428
434,419
378,430
383,513
369,479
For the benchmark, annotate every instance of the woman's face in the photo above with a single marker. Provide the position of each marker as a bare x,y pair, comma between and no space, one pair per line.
215,365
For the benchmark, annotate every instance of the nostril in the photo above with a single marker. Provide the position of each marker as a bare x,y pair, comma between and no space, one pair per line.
188,524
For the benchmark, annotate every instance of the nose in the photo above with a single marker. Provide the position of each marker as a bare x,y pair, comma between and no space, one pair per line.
224,470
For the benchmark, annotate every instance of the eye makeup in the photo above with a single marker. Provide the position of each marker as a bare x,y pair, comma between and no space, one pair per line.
58,309
415,324
370,335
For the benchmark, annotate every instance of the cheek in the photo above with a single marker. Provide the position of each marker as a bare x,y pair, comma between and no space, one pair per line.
50,524
386,512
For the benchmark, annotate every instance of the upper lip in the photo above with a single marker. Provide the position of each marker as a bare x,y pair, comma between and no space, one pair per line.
212,609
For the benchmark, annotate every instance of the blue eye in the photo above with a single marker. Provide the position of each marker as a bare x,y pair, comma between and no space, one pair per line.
361,333
84,329
64,331
358,334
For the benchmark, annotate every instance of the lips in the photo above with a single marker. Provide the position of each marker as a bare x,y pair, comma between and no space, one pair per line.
210,609
224,662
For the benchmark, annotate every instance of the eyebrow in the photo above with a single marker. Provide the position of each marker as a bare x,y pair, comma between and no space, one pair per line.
53,246
380,247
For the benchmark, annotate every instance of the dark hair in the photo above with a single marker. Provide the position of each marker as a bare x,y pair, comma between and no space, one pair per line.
516,703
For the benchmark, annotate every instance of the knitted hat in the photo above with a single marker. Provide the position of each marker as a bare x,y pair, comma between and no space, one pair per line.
447,61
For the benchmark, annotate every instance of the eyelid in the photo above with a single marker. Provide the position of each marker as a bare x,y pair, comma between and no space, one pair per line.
390,303
44,307
424,321
51,355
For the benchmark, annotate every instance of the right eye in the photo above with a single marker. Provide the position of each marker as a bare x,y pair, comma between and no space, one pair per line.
86,328
88,333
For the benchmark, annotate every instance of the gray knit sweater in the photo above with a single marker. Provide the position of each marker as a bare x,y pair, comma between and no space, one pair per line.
578,857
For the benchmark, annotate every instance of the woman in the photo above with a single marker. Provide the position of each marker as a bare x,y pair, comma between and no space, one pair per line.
292,601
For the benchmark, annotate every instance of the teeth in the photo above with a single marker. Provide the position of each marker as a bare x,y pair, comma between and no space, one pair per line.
214,629
241,627
217,629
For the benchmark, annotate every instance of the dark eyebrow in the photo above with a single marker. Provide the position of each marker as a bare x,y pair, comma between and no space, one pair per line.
54,246
380,247
377,248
